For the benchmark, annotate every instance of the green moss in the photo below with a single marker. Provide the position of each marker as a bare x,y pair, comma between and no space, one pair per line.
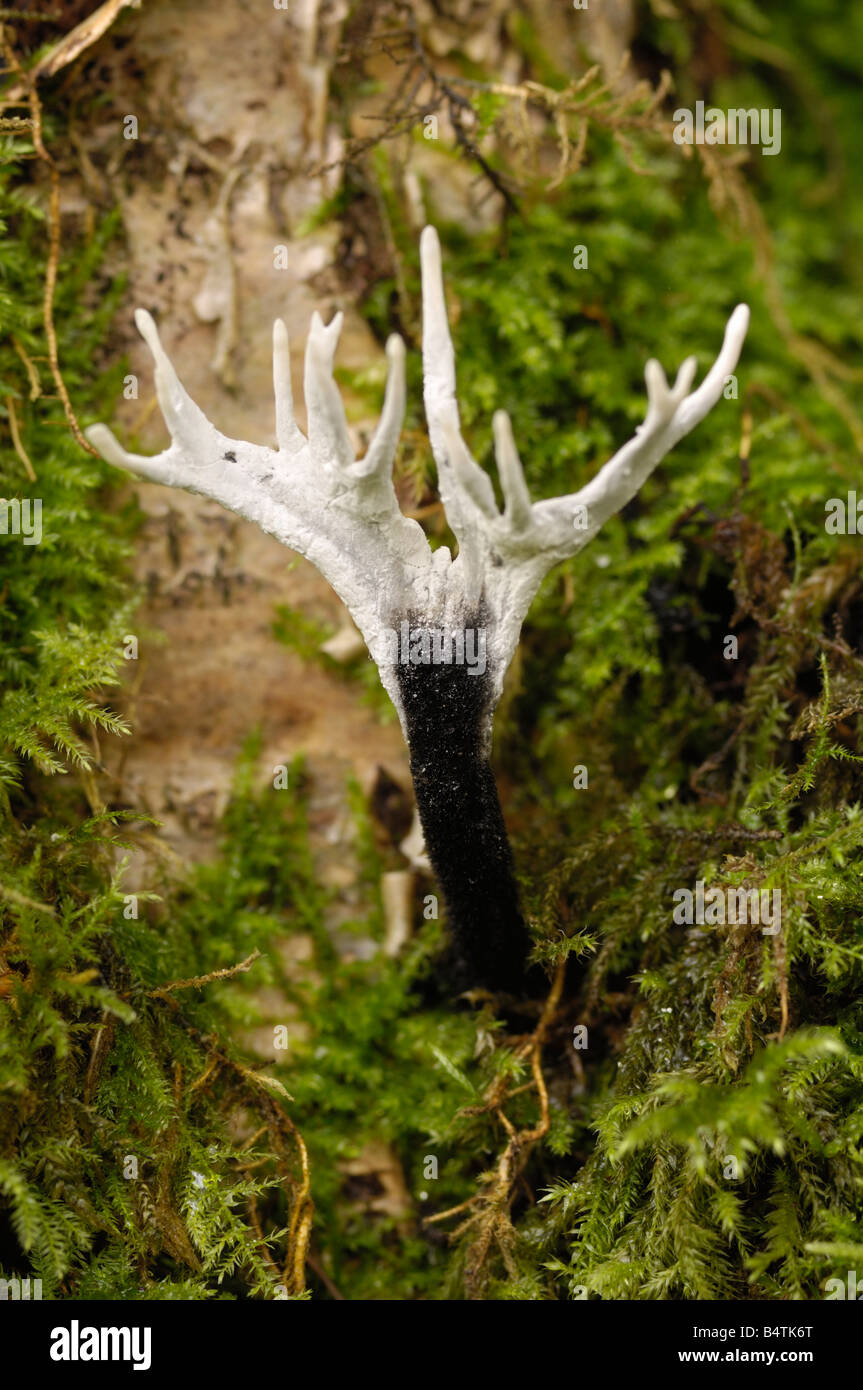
706,1142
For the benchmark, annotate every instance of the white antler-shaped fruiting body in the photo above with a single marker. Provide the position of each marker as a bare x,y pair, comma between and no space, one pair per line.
505,556
311,494
343,515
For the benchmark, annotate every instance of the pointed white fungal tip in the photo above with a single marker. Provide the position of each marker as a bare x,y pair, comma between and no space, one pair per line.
146,326
106,443
103,440
345,515
323,339
504,442
655,380
685,377
429,242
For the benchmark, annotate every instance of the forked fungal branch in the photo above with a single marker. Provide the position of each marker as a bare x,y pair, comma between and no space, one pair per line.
341,513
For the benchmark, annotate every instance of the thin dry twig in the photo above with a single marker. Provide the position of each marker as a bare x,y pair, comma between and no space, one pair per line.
16,440
30,369
70,47
29,85
197,981
490,1208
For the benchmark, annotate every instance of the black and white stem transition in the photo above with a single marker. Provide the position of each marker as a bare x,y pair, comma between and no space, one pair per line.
341,513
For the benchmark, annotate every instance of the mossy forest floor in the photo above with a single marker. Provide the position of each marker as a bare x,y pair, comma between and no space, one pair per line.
214,1081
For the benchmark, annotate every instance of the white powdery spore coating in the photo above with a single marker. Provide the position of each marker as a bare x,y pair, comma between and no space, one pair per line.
343,515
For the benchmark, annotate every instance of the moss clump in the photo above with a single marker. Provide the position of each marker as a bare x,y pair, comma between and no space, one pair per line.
702,1139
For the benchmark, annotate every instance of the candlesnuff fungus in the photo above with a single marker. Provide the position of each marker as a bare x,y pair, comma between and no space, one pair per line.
442,630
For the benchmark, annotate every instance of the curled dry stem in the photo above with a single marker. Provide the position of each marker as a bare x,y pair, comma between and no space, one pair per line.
490,1208
28,81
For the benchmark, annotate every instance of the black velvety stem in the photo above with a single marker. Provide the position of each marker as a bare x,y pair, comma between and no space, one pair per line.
447,712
